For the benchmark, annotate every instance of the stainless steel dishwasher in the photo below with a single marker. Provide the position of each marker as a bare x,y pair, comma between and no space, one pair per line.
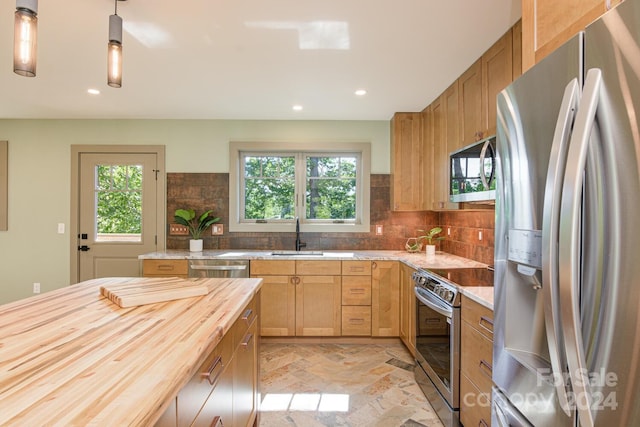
218,268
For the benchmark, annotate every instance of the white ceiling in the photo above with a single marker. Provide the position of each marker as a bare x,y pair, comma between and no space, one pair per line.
249,59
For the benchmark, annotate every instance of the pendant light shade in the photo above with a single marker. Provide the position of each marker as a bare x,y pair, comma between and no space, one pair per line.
25,38
114,52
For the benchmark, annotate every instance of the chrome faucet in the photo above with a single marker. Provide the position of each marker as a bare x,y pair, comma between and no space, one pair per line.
299,244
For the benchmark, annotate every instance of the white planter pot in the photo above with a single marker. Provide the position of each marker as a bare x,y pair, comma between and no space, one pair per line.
195,245
431,250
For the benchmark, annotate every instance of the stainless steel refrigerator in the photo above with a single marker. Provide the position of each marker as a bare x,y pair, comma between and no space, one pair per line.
567,243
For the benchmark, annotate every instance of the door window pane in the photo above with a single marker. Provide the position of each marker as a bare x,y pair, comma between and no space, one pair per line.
118,198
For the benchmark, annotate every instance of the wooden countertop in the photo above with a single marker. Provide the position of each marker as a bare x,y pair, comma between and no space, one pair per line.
71,357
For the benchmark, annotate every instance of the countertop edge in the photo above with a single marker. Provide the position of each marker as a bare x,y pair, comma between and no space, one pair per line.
479,294
414,260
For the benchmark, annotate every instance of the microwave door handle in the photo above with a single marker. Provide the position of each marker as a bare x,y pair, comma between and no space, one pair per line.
550,224
492,176
483,153
569,254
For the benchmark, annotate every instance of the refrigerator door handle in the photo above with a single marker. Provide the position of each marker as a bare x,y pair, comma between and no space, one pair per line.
550,225
569,248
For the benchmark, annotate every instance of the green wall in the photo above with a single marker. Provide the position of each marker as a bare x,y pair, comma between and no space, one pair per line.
39,175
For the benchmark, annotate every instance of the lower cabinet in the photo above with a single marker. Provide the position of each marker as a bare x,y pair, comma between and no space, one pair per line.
224,390
300,298
329,298
165,268
476,354
385,298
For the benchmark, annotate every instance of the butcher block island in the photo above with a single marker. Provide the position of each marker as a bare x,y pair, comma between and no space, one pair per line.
72,357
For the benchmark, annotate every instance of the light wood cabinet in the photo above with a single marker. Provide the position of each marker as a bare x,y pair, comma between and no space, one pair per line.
318,306
385,299
497,73
278,306
516,46
165,268
407,308
300,297
407,163
547,24
471,124
356,298
224,390
445,136
476,361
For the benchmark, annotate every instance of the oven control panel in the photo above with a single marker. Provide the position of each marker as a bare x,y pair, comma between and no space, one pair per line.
436,286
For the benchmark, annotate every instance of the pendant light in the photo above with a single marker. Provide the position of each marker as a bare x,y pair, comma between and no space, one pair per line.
114,50
24,38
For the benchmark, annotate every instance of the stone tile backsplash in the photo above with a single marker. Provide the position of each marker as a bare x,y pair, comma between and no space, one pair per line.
201,191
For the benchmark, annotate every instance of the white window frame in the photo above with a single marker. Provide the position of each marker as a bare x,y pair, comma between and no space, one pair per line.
363,185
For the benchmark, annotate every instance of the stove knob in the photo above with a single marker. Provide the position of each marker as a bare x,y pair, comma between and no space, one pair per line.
449,296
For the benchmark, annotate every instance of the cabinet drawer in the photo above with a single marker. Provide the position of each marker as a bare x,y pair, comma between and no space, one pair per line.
356,268
262,267
478,316
356,320
165,267
241,326
475,407
326,268
356,290
194,395
476,354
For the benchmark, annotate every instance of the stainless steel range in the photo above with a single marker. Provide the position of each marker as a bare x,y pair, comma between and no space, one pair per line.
437,368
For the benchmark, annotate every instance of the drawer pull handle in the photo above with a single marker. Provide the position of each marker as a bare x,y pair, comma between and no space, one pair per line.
217,422
247,339
356,320
247,315
486,320
166,267
488,369
356,269
357,290
483,423
209,374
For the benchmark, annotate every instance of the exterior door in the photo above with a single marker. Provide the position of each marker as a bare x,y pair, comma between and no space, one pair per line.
118,212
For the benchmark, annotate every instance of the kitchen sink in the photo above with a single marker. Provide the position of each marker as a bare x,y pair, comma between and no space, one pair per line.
314,254
298,253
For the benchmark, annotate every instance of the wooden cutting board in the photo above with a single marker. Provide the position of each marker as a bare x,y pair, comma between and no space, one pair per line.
153,290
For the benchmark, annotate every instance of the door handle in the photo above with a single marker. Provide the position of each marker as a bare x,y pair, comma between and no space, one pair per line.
83,248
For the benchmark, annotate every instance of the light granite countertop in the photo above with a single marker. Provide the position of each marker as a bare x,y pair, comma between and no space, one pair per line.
482,295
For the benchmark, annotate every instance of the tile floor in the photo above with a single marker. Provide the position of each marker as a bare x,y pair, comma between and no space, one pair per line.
353,385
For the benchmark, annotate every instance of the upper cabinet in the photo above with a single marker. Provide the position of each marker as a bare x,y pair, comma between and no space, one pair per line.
463,114
446,138
497,73
547,24
407,163
472,125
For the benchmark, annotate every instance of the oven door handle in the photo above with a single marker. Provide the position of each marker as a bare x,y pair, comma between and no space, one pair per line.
433,304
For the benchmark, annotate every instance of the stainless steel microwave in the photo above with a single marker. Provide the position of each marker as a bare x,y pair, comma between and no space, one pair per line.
472,172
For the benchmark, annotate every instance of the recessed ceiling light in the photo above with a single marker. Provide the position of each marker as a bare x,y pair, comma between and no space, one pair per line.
361,92
297,108
93,91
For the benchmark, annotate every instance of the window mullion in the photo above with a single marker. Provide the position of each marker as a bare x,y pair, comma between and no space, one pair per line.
300,185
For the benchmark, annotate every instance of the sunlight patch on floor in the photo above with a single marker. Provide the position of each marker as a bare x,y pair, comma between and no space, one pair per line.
308,402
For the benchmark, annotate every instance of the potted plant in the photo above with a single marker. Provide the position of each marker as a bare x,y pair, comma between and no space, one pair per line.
196,224
430,237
